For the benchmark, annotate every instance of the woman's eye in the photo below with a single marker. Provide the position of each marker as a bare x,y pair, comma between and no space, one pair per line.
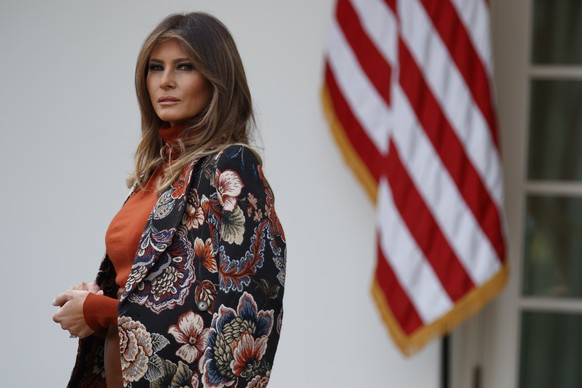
185,66
155,67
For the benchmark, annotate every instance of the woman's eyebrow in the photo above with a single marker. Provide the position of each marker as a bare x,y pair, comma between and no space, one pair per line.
174,60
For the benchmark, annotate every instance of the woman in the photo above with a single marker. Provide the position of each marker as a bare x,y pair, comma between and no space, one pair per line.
190,290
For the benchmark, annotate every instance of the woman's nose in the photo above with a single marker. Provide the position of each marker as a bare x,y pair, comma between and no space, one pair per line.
168,80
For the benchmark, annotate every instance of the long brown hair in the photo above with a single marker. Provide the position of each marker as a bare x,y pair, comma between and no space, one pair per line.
228,117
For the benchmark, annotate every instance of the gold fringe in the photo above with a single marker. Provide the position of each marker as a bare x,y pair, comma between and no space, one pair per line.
462,310
350,155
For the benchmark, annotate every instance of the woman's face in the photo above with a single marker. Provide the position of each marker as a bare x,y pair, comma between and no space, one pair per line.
178,91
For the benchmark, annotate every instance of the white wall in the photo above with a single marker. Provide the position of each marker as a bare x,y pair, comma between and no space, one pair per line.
69,126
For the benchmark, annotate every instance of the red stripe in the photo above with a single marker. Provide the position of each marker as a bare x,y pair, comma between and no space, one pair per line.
454,35
402,308
425,230
356,135
451,151
392,5
374,65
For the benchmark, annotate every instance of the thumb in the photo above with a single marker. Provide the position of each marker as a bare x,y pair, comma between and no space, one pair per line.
100,292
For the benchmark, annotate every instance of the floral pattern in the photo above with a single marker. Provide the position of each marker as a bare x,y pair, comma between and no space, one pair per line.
135,345
237,343
138,350
191,333
175,376
232,227
204,252
259,382
168,284
229,186
164,206
202,306
154,241
195,211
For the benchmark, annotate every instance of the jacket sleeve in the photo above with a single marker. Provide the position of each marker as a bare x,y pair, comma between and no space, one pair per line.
248,245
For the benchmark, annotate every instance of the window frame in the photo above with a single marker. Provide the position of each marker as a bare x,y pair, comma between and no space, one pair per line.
486,349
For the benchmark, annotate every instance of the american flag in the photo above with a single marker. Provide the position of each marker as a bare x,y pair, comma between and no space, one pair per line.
408,95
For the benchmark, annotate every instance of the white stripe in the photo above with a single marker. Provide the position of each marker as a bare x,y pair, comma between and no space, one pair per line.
475,17
439,192
380,25
365,102
414,273
454,96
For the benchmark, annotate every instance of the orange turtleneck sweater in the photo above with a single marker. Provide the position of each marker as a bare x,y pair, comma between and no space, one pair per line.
122,239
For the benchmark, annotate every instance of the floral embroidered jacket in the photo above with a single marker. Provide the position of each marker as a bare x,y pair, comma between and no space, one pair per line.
203,303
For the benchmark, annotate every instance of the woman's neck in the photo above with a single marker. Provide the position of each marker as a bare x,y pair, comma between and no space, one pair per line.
171,134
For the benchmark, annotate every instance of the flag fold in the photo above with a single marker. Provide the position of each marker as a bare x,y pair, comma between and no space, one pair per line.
408,95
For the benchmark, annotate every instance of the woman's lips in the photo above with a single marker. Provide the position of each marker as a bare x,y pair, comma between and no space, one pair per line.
168,100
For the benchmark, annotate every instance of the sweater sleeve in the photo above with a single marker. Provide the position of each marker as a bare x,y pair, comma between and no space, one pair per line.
100,311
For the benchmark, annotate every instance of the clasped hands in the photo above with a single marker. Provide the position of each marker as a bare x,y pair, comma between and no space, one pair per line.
70,313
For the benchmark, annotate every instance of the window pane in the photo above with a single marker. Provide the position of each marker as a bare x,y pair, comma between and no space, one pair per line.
555,140
557,32
551,350
553,247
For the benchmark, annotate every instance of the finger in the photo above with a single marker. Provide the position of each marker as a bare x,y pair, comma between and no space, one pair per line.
93,287
57,317
61,299
80,286
100,292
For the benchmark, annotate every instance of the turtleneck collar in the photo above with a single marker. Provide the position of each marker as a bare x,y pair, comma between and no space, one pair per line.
171,134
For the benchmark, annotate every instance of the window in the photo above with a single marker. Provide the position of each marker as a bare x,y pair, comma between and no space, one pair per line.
551,271
531,336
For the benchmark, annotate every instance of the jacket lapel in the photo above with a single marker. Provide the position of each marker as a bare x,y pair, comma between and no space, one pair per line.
161,226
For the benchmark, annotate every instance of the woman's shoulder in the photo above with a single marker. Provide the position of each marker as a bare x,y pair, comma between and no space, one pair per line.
237,156
238,167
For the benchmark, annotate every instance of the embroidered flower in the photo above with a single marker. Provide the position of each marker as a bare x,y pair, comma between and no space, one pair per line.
175,376
252,204
191,333
204,252
152,241
258,215
168,281
165,283
252,209
232,227
248,352
229,186
259,382
164,206
194,215
135,346
136,275
237,344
